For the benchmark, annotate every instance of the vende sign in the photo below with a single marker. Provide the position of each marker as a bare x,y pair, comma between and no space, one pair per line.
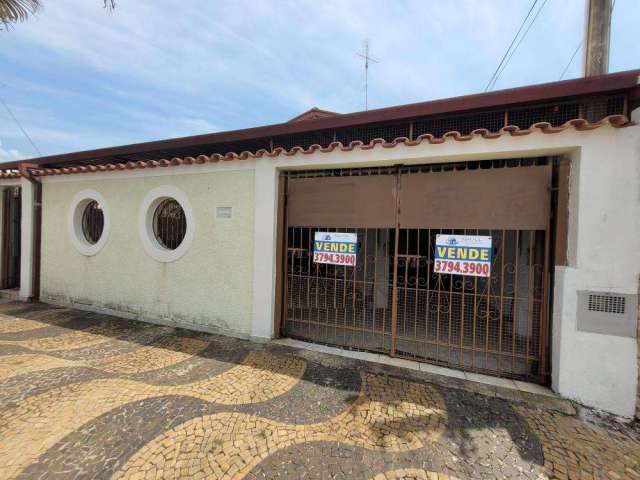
463,255
336,248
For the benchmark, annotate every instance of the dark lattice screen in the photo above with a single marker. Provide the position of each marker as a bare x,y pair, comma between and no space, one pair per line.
366,133
464,124
304,140
592,109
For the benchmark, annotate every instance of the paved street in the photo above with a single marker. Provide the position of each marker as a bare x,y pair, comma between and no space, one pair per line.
85,395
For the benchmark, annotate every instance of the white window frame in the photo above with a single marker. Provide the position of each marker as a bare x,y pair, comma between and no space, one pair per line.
151,245
74,222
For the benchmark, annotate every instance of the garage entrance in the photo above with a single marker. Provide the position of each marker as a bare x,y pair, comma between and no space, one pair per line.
391,300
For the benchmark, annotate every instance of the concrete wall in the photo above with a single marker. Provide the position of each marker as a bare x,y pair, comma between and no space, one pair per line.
604,253
210,287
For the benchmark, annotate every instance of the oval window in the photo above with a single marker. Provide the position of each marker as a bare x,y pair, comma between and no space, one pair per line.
92,222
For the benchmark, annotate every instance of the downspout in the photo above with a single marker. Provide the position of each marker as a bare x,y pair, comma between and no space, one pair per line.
37,229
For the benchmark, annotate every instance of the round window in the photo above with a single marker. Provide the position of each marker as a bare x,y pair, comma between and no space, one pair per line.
166,223
92,222
89,222
169,224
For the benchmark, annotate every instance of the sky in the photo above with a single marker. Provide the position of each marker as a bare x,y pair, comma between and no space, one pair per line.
78,77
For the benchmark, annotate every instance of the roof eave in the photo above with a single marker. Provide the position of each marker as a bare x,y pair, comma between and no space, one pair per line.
601,84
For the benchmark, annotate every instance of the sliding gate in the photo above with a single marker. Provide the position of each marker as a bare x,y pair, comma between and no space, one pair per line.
391,301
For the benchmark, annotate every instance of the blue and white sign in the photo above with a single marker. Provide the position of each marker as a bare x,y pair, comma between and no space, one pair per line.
335,248
463,255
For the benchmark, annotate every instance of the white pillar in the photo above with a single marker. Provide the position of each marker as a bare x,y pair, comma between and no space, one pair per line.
264,260
26,239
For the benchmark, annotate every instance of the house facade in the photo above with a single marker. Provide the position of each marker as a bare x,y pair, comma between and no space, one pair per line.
358,231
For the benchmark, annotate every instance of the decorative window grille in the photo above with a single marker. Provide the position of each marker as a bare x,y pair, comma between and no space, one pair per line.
92,222
169,224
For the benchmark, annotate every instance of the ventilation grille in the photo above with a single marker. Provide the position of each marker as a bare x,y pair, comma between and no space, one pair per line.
464,124
607,304
608,313
557,113
366,133
304,140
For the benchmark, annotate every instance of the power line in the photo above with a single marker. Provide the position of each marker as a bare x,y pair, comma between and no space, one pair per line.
570,60
22,129
524,35
511,45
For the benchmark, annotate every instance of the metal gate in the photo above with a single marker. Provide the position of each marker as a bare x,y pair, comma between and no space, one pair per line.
392,301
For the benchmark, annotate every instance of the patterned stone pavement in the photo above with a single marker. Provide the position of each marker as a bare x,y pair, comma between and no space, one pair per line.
91,396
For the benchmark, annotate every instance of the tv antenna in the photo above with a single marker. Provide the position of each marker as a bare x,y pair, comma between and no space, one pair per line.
367,59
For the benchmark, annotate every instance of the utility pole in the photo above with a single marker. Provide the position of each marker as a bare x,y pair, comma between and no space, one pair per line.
367,59
596,39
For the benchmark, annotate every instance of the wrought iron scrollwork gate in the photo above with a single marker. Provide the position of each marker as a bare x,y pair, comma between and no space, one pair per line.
391,301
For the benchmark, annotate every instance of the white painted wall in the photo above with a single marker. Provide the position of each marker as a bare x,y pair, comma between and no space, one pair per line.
26,239
600,370
604,254
209,288
264,250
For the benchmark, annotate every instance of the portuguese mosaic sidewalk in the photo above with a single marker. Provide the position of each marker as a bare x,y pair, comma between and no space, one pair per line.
91,396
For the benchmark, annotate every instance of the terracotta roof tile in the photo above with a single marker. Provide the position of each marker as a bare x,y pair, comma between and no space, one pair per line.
579,124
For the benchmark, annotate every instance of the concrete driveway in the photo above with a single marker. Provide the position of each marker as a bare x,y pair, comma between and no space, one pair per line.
85,395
